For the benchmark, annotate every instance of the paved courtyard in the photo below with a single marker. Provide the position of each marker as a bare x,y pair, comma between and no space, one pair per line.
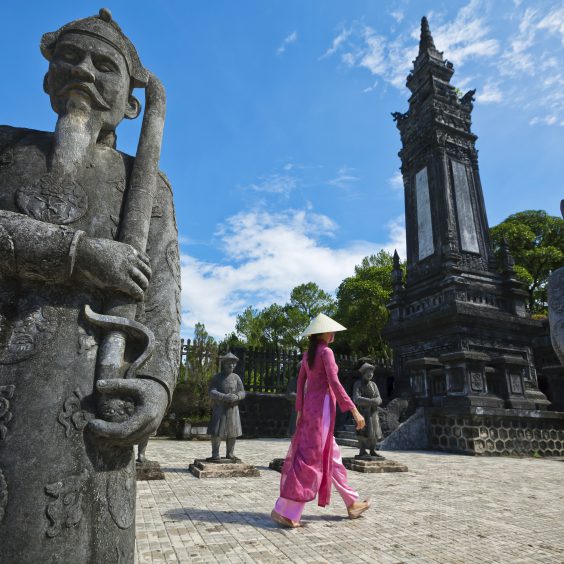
447,508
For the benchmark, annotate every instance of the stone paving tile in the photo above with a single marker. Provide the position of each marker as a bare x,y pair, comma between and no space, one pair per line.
446,509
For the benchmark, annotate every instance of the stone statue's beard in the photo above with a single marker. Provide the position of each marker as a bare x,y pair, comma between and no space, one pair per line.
74,135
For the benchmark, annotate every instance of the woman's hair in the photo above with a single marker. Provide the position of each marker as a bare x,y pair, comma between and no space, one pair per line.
311,349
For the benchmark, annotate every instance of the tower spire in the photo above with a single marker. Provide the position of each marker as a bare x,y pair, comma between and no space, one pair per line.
426,42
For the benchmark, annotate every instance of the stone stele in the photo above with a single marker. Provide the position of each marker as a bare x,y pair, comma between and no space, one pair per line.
89,304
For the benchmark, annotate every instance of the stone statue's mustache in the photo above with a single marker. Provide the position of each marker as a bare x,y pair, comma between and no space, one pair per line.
98,102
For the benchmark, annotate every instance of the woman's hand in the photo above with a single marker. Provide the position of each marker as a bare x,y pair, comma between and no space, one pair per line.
358,419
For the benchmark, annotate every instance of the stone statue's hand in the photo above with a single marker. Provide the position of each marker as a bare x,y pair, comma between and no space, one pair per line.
113,265
130,410
232,398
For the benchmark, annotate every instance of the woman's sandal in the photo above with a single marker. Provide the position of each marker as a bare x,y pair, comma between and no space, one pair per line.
284,521
356,512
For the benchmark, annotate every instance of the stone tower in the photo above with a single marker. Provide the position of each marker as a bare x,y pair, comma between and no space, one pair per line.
459,327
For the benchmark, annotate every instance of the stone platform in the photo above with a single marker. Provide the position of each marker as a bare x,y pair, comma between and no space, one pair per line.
375,466
202,468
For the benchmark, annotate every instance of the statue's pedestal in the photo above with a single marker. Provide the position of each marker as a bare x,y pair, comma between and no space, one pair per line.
373,465
225,468
149,470
276,464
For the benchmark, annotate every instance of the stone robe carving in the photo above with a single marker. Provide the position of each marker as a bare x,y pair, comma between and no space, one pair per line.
366,397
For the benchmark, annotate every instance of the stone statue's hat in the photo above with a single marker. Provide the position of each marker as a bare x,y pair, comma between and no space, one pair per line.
228,356
101,27
322,324
365,367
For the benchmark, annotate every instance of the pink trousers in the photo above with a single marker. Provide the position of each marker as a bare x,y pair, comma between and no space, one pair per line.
293,509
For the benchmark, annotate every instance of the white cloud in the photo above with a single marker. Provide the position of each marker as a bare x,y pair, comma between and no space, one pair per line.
265,256
489,94
288,40
337,42
345,178
396,182
275,183
467,36
398,15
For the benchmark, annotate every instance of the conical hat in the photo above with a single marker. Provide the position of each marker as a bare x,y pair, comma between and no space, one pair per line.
322,324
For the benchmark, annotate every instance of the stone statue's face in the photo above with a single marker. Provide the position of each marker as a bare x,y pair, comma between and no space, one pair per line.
228,366
92,69
367,375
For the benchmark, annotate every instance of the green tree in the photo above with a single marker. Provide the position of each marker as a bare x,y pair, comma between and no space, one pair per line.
536,241
191,394
282,325
250,327
306,301
362,306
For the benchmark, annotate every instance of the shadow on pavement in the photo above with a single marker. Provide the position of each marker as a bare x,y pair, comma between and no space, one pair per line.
250,518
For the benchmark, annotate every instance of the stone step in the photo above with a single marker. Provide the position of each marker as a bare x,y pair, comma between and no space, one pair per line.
347,435
349,428
347,442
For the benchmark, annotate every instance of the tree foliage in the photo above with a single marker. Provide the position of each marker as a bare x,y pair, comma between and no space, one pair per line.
282,325
536,241
362,306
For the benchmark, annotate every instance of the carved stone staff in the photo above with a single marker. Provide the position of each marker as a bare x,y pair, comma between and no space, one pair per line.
134,230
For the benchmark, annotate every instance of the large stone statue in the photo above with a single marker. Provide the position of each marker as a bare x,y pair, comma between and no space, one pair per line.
89,290
556,307
366,397
226,391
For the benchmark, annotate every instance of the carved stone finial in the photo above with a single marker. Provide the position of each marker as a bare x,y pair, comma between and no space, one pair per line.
397,274
426,42
507,260
396,260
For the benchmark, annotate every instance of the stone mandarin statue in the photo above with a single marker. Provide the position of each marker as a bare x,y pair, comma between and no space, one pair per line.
226,391
89,304
366,397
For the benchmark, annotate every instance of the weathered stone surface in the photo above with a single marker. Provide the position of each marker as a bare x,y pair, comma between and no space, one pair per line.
205,469
410,435
373,466
89,292
149,470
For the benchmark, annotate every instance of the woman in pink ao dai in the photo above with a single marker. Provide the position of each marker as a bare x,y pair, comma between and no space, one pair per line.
313,463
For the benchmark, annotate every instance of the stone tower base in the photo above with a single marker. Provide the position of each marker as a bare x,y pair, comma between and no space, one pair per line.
495,432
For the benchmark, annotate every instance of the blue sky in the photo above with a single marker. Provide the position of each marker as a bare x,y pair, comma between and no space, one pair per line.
279,141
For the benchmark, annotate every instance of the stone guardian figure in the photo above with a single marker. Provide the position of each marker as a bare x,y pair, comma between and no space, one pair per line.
226,391
89,304
366,397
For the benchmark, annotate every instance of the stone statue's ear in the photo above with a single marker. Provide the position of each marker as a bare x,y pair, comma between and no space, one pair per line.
46,83
133,107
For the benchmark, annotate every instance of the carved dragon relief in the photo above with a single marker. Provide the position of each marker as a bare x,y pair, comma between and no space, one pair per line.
53,200
65,510
72,414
